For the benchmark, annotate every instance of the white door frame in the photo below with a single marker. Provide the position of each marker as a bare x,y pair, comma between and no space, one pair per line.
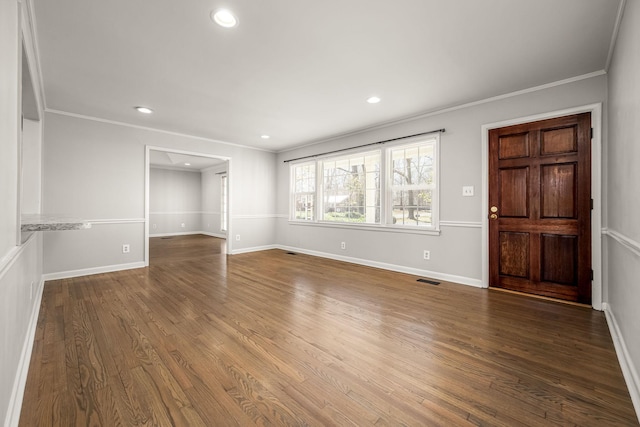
147,158
596,191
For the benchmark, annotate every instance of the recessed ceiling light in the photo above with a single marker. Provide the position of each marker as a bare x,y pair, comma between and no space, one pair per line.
373,100
144,110
187,164
224,18
265,136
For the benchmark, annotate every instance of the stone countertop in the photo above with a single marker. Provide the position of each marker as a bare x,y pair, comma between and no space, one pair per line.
52,223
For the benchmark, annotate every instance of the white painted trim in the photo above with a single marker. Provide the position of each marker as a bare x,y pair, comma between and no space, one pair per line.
10,258
17,393
34,49
385,266
596,190
176,168
14,253
256,216
448,110
147,161
168,132
629,370
253,249
367,227
463,224
31,53
90,271
626,242
215,168
115,221
178,213
614,34
180,233
186,212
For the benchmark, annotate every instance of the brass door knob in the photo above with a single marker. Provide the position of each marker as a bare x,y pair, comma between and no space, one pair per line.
493,216
494,209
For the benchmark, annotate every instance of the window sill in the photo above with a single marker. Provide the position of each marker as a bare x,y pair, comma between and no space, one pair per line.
369,227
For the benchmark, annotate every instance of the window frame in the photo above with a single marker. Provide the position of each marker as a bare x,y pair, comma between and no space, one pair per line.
320,187
435,192
292,193
386,208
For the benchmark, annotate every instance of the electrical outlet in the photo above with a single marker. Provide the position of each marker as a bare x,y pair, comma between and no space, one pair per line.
126,248
343,245
467,191
237,237
155,226
182,225
426,255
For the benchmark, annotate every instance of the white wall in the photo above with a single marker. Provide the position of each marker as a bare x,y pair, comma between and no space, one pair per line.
20,266
96,170
10,61
456,252
31,167
175,198
211,201
623,203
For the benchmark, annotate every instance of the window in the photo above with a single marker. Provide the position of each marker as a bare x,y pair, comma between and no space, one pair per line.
304,191
351,189
223,202
412,184
347,189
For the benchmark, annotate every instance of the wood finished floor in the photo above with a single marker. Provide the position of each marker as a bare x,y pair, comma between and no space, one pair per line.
269,338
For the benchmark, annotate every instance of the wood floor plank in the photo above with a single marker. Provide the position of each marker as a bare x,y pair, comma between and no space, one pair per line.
200,338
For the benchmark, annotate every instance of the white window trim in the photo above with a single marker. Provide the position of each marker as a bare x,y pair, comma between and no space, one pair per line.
292,193
435,198
385,199
320,185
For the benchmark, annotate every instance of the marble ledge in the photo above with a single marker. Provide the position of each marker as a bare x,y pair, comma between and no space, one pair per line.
52,223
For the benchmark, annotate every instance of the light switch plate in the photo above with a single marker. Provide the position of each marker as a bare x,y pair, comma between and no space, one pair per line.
467,191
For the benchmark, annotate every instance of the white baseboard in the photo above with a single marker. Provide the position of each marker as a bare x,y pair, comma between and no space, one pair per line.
94,270
189,233
17,393
182,233
624,358
392,267
254,249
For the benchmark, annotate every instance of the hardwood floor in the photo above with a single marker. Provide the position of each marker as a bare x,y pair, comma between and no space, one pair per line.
270,338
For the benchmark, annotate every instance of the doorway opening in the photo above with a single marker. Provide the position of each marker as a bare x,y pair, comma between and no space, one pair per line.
185,204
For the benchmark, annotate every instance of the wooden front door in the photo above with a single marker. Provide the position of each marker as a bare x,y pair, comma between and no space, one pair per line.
540,208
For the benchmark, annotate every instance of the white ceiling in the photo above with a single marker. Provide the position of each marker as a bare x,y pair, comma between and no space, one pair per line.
300,71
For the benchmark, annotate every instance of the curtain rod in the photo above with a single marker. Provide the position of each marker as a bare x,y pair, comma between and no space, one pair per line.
365,145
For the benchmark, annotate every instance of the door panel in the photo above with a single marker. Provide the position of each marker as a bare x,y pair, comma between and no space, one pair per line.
513,187
514,254
559,259
558,191
556,141
540,207
514,146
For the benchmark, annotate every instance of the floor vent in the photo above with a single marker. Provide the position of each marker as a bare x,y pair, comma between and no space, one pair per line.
165,238
431,282
291,253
